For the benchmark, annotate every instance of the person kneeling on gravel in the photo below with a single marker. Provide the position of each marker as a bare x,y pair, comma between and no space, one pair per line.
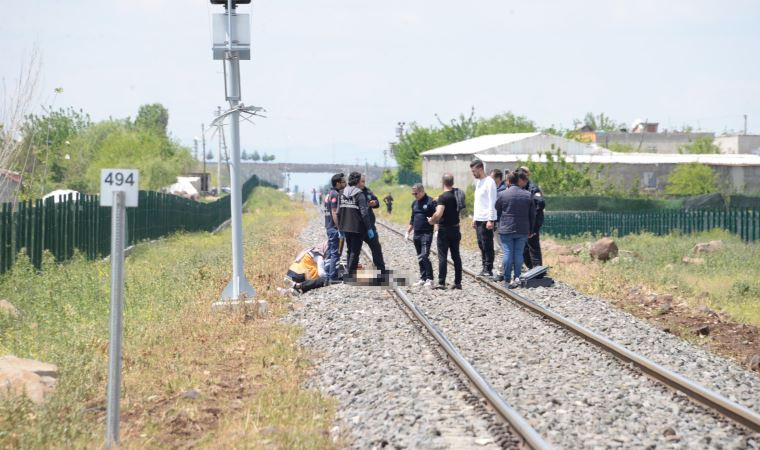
308,270
423,207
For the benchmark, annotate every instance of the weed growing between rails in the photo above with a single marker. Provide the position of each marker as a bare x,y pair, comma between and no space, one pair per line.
190,377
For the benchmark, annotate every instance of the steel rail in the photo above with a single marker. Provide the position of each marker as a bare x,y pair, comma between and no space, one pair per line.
707,397
515,421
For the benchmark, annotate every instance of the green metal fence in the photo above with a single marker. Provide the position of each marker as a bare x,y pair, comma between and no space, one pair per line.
743,222
82,224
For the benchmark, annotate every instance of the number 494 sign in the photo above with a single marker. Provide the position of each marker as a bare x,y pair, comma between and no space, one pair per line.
112,180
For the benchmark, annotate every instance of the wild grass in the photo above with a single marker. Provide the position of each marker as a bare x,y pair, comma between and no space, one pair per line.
728,280
190,377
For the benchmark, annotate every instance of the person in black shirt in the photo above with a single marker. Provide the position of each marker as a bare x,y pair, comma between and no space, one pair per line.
354,221
334,239
373,241
388,199
423,207
532,253
447,217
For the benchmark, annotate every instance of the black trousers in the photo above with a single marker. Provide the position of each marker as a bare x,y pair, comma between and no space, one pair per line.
308,285
448,239
532,254
485,244
353,251
422,243
377,251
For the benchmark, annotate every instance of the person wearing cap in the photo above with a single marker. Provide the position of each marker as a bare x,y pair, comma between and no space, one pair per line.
484,215
532,253
423,207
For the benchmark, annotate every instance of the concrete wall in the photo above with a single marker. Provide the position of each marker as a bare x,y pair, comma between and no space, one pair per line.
650,142
742,179
739,144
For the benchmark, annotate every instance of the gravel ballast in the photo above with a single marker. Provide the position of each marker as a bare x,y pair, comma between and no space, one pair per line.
393,389
570,391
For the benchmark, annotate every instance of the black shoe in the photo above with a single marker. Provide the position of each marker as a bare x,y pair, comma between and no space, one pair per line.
488,274
439,286
456,286
498,278
482,272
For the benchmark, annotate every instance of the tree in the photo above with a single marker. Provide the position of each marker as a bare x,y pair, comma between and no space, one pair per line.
48,138
153,117
557,176
256,156
244,156
271,157
700,146
692,179
599,122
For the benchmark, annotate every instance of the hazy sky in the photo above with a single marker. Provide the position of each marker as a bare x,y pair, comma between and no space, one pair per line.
336,76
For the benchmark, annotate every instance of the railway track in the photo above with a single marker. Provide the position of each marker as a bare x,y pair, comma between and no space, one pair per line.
528,437
710,399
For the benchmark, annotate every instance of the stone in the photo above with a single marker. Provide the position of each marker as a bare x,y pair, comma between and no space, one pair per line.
694,261
577,249
191,394
753,361
7,308
664,309
707,247
604,249
703,330
628,254
19,376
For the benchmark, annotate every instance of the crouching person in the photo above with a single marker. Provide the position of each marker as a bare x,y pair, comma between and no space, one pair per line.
423,207
308,270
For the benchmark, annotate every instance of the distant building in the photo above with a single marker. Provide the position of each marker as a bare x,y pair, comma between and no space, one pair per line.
739,143
10,185
455,158
650,170
648,142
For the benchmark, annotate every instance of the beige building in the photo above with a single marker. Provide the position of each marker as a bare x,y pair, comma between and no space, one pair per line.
506,151
739,143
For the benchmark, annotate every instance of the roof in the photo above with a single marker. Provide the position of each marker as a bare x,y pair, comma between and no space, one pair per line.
61,194
635,158
479,144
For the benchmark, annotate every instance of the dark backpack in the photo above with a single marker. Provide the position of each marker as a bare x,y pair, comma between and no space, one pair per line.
459,195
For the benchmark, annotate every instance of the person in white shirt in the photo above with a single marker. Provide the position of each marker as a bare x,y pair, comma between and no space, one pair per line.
484,215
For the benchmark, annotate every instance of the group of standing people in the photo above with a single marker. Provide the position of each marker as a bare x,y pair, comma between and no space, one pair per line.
505,204
350,220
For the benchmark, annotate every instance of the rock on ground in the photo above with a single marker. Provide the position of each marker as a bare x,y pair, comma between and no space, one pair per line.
19,376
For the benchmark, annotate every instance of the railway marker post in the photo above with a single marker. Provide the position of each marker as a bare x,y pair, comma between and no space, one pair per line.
119,190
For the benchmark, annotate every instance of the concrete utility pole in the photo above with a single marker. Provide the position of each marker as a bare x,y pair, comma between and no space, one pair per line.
231,34
195,148
220,130
203,148
745,124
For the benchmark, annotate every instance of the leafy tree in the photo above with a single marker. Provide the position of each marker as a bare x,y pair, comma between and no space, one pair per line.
255,156
48,139
692,179
244,156
418,139
153,117
558,176
158,159
271,157
599,122
700,146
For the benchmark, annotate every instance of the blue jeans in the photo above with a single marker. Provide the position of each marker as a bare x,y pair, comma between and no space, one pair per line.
512,246
333,254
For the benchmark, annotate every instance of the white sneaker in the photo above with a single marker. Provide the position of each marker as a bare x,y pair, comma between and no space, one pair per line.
514,283
428,283
419,283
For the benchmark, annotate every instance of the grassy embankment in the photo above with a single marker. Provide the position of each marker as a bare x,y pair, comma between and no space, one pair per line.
189,377
728,281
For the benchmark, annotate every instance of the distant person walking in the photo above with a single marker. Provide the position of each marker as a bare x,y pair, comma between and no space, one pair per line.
449,236
314,196
388,200
484,215
518,213
334,236
532,253
423,207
